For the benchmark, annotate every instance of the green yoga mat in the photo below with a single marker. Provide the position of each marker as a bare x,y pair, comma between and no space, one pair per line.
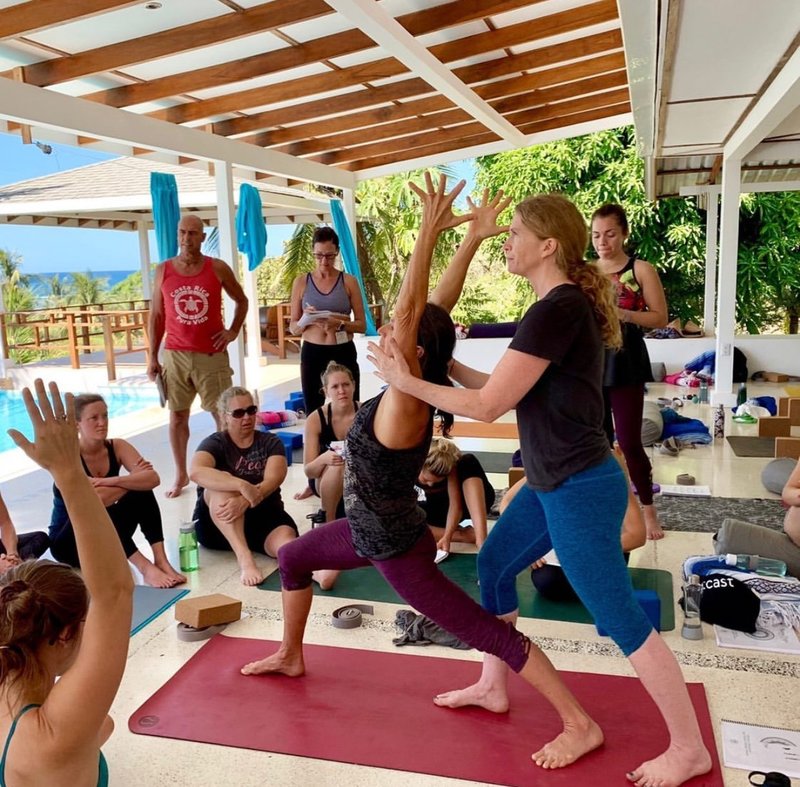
149,603
366,584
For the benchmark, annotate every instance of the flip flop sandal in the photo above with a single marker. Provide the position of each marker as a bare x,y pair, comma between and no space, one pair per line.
677,403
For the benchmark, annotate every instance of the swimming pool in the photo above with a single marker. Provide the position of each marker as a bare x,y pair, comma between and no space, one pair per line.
14,416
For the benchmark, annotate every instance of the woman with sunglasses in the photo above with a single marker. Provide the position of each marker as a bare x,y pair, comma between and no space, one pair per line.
326,289
239,472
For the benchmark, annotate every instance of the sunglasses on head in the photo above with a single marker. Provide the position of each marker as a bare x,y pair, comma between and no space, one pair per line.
241,412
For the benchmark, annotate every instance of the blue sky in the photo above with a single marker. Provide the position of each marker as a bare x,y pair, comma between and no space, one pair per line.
46,249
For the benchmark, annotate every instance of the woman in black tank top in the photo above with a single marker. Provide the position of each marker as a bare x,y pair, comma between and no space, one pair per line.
326,429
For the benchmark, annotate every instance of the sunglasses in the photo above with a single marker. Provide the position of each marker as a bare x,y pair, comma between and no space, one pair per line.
241,412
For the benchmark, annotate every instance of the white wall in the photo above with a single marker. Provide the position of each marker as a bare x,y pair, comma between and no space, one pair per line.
764,353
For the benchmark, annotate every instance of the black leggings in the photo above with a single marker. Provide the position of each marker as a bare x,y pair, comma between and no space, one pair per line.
134,509
314,359
551,582
30,545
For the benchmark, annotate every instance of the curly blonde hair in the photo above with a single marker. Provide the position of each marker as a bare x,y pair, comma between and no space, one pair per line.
554,216
442,457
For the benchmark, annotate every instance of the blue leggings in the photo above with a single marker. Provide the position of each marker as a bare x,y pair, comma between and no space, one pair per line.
581,519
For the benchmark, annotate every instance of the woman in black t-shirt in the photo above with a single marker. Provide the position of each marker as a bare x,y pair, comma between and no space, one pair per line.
456,488
574,500
239,472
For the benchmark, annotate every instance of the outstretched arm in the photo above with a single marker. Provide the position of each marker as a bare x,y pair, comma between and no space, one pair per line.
401,420
76,709
483,225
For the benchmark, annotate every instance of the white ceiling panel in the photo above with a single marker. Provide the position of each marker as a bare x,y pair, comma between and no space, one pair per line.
81,87
358,58
536,11
710,32
269,79
702,122
448,34
562,38
133,22
320,27
791,125
18,53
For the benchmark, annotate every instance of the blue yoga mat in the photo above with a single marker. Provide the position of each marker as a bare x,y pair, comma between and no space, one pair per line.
149,603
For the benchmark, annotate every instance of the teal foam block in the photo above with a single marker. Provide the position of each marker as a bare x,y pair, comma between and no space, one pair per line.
651,604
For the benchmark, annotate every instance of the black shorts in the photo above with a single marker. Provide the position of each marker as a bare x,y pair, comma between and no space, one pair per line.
259,522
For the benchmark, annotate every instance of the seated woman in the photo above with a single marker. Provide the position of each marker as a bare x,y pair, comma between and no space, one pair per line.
128,497
239,472
791,497
327,425
549,578
14,548
52,727
456,488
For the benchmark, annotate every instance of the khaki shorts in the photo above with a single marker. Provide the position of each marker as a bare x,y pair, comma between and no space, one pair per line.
189,374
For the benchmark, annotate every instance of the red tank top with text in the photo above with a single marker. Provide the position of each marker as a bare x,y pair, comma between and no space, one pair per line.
192,308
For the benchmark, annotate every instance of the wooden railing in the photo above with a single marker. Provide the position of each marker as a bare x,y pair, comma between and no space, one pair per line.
73,330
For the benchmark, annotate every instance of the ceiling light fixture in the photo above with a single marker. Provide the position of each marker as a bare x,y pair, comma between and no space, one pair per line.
152,6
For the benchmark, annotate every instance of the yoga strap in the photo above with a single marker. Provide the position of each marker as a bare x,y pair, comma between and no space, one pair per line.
349,617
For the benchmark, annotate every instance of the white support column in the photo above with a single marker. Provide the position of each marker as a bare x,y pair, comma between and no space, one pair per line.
144,259
723,392
712,223
226,213
349,207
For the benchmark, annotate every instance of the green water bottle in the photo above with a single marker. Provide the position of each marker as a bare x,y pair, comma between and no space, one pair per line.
187,547
741,397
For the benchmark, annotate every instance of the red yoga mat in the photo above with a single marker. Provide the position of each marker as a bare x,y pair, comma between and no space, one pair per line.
375,709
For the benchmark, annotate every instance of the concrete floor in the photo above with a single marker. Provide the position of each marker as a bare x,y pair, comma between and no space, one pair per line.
742,685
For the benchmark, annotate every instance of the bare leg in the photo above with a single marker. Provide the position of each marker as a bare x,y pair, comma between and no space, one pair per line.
233,530
580,734
651,523
307,492
686,755
161,560
288,659
179,440
331,488
472,489
151,574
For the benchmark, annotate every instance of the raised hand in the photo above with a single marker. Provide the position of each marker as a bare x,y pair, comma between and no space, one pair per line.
390,364
55,433
437,204
485,214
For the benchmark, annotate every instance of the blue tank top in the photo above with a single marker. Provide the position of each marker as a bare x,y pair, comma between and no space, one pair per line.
102,770
335,300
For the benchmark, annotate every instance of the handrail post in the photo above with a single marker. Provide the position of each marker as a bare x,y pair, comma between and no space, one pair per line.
108,343
73,341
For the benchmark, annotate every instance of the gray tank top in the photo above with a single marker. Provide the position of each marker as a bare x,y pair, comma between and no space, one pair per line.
379,494
337,300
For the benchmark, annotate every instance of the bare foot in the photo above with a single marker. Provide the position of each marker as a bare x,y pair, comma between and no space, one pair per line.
278,662
176,577
178,487
569,746
673,767
307,492
251,574
325,579
651,523
492,698
156,578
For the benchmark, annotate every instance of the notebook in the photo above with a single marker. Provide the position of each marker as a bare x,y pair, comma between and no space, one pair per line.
753,747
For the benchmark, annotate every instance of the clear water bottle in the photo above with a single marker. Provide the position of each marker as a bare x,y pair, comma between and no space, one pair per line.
187,547
719,422
692,593
703,396
766,566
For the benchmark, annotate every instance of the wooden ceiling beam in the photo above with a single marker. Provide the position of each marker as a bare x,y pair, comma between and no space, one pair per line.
26,18
509,95
426,134
501,66
440,147
469,46
178,39
336,45
531,98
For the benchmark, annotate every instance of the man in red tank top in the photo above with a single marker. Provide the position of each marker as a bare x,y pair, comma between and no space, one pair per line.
187,307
